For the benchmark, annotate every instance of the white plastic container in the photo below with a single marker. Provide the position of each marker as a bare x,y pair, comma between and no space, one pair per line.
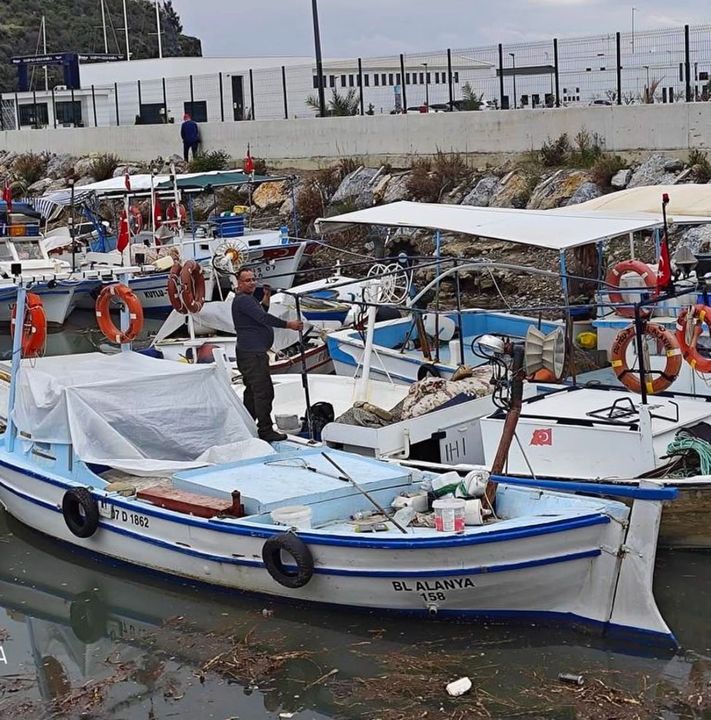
298,516
449,514
472,512
459,687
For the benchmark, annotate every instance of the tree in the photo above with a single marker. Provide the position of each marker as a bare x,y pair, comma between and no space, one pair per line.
339,105
470,100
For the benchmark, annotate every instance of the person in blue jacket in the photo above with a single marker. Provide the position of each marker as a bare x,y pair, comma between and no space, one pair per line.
190,133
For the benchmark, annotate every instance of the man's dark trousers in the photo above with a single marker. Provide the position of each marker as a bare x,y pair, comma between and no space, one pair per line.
187,147
258,389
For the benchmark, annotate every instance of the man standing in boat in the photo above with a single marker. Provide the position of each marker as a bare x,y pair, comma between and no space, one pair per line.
255,335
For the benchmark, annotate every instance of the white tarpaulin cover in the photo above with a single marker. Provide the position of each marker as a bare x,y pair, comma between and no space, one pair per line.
554,229
138,414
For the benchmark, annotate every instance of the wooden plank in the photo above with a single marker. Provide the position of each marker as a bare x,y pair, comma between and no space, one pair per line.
206,506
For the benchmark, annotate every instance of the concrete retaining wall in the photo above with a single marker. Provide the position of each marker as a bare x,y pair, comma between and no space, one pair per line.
483,136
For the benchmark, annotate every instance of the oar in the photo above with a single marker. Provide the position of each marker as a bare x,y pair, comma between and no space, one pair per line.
363,492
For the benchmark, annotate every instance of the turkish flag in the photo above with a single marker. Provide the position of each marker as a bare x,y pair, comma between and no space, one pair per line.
664,275
248,163
124,234
542,436
7,195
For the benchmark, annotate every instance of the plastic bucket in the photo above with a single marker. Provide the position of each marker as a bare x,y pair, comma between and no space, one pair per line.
298,516
449,514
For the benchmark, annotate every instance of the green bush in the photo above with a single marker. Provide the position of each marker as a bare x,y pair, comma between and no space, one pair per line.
555,152
604,168
103,166
588,149
211,160
699,162
430,179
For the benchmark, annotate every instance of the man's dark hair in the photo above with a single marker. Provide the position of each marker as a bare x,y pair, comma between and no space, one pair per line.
243,270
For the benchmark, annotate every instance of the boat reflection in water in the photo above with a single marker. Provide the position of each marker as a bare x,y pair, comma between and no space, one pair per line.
89,637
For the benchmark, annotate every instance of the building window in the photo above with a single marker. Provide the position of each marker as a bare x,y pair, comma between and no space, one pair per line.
391,79
68,113
29,117
376,79
366,80
456,76
437,78
332,81
315,83
407,78
397,79
383,79
414,78
429,78
422,78
343,80
151,114
350,81
196,109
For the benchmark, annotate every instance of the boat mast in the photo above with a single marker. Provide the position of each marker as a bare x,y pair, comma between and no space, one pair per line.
160,41
103,25
125,30
44,52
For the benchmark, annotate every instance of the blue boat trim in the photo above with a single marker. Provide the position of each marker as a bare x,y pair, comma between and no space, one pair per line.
593,488
394,543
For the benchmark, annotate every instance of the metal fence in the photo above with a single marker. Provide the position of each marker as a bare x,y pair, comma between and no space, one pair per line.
672,65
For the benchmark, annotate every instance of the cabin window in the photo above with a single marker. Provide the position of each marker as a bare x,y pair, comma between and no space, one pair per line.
28,250
6,251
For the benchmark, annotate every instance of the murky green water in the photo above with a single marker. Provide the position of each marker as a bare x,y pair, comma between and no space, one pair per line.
81,639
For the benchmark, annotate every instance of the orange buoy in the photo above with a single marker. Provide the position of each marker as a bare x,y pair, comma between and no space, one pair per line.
193,286
103,316
700,315
175,294
630,378
614,276
34,327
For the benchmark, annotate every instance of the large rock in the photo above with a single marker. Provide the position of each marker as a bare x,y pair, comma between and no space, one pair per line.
587,191
58,184
354,184
60,166
270,194
39,187
83,166
621,179
513,192
653,171
481,194
698,238
396,188
84,180
557,189
122,170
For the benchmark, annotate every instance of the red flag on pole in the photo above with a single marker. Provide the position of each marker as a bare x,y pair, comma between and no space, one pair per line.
157,213
664,269
127,181
7,195
123,233
248,163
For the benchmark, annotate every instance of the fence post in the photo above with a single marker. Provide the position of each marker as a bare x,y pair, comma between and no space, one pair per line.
501,76
165,102
251,93
222,100
2,114
54,110
557,72
192,97
619,68
360,85
34,107
283,87
17,111
687,63
404,84
118,119
93,104
140,102
450,80
74,114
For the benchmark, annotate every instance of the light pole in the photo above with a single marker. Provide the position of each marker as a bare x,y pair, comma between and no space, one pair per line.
319,61
427,88
513,60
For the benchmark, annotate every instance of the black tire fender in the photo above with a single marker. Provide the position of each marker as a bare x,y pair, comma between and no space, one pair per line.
294,547
427,369
81,513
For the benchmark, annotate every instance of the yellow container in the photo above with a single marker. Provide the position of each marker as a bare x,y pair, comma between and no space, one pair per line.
16,230
587,340
240,209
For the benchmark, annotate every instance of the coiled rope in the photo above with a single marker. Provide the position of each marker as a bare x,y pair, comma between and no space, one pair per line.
683,443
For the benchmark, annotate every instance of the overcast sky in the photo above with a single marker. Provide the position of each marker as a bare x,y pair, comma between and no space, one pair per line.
353,28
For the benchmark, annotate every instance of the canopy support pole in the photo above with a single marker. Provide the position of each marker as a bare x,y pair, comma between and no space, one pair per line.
16,361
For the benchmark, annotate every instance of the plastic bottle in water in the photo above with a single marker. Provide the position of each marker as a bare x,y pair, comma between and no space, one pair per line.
284,234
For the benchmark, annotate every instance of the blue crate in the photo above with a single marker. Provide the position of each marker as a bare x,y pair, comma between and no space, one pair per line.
230,225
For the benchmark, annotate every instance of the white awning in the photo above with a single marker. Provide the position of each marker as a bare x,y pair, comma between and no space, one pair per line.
556,230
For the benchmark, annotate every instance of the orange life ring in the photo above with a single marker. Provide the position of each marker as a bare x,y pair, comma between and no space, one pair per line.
614,276
193,286
34,327
700,315
630,378
181,213
175,294
103,315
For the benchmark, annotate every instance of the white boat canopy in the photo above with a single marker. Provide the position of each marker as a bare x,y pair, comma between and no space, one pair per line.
690,199
556,230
